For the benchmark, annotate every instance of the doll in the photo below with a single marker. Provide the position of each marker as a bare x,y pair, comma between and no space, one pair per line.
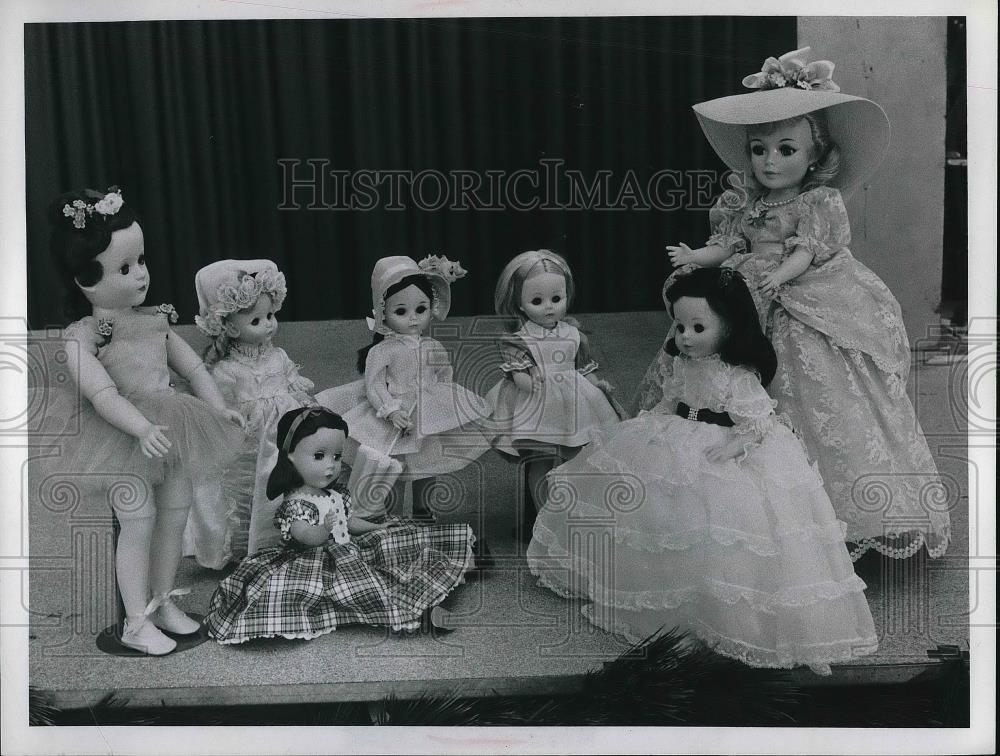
134,428
238,302
334,568
843,353
408,406
715,521
550,401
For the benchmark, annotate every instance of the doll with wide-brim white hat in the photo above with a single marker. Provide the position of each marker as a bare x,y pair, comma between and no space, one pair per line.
842,347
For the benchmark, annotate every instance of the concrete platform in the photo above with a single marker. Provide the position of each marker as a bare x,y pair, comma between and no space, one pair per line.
515,637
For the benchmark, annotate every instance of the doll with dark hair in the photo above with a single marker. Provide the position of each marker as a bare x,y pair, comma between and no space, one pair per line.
132,425
719,524
333,567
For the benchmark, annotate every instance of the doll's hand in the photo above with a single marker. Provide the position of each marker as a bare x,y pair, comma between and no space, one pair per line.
154,442
724,452
769,284
301,383
524,381
235,417
680,255
400,420
328,521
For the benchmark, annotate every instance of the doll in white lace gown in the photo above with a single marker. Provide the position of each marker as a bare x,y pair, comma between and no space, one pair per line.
238,301
704,513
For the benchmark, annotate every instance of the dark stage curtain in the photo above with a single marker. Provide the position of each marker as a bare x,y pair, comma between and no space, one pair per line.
192,119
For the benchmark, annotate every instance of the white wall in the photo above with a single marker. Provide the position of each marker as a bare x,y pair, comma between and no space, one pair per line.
897,219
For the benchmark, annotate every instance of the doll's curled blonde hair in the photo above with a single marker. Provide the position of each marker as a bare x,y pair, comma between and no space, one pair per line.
507,297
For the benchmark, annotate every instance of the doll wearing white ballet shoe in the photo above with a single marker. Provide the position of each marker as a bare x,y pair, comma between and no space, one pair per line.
134,429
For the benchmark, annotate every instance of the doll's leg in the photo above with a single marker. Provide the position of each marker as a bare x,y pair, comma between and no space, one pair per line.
421,490
132,565
538,465
174,497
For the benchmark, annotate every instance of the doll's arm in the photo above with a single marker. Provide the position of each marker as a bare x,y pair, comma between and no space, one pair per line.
703,257
376,365
297,520
100,389
792,266
291,370
182,358
752,412
224,373
359,526
309,535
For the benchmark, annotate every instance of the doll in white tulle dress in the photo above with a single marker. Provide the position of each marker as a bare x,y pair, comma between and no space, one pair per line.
704,513
239,301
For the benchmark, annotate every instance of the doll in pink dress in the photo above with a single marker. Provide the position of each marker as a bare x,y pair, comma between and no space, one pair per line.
550,400
133,430
408,406
239,301
843,353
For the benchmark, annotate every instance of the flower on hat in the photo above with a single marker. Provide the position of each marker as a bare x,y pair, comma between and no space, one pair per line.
793,70
79,210
233,298
447,269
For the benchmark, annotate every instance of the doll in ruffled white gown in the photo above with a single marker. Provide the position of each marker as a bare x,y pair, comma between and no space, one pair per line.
843,352
408,406
704,513
135,439
239,301
550,400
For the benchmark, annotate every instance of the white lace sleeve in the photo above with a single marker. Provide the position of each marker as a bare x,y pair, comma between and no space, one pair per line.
750,408
668,385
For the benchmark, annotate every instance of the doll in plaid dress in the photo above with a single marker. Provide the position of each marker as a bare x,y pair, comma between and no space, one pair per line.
333,567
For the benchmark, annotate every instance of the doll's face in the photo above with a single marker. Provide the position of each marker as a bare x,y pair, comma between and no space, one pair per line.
543,298
317,457
781,158
408,312
700,332
256,324
124,280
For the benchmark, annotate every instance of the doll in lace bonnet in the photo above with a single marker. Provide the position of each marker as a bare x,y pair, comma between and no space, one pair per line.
717,522
238,304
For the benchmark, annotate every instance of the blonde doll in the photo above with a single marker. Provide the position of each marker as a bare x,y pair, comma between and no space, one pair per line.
550,401
239,301
408,406
843,354
134,426
332,567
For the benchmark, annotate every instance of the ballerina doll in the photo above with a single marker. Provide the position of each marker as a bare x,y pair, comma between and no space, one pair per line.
704,513
238,302
333,567
843,354
134,426
410,409
550,400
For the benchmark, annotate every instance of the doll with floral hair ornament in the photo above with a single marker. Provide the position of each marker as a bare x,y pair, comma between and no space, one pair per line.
550,400
720,525
843,353
238,302
408,406
333,567
134,429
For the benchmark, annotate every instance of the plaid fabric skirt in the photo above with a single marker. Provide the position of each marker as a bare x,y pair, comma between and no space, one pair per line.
386,577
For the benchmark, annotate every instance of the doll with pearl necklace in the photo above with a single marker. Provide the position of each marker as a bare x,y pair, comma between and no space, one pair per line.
550,400
333,567
133,427
843,351
238,304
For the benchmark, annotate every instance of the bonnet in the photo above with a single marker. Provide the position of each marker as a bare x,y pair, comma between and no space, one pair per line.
789,87
228,286
388,271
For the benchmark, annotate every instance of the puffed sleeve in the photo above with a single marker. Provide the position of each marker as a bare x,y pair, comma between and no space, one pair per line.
84,332
294,510
514,355
750,408
725,221
823,228
376,385
669,389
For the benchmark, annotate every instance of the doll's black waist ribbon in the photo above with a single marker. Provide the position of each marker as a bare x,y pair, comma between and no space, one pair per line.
705,415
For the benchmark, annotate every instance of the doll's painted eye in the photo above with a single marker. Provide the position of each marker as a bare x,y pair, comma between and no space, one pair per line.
399,312
123,269
699,328
270,316
557,299
788,150
318,455
421,309
337,457
255,322
757,149
536,301
680,328
142,260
